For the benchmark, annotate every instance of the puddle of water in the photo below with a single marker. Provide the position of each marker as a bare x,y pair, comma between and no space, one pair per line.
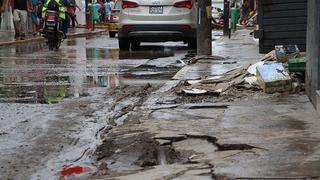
42,87
53,91
102,53
32,74
147,52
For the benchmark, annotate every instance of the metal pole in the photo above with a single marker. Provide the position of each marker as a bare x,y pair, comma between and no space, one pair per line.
226,10
204,29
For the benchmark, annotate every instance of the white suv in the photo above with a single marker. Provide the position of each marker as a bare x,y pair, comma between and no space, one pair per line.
157,21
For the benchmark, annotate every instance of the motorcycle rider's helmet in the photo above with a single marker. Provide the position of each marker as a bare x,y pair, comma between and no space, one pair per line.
53,5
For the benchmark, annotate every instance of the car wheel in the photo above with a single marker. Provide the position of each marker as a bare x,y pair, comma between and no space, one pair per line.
124,44
135,45
192,44
112,34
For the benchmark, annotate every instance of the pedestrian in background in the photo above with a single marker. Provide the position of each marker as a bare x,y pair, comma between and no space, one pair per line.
66,21
2,4
6,20
71,11
108,8
34,17
39,12
101,11
20,15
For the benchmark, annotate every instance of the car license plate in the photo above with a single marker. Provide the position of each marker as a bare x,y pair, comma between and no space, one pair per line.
156,10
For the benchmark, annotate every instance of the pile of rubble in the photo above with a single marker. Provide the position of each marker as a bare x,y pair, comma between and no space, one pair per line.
214,85
282,70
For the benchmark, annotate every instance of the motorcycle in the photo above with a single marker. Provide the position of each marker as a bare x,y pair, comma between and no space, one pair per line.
51,30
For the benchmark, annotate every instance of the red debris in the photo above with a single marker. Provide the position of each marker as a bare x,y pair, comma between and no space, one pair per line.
68,171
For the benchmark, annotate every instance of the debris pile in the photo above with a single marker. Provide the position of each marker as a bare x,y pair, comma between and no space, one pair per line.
270,74
281,70
218,85
274,78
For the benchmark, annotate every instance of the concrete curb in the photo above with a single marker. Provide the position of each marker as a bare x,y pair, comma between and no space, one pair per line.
41,39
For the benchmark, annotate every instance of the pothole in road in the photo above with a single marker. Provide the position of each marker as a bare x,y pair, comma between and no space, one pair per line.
133,151
128,151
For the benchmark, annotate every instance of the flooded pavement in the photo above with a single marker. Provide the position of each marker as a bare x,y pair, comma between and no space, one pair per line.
117,115
54,105
30,73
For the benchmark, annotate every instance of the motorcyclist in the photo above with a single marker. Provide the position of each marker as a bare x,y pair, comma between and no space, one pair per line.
59,6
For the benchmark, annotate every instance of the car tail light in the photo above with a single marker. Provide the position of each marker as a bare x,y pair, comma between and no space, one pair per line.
183,4
129,4
127,27
184,26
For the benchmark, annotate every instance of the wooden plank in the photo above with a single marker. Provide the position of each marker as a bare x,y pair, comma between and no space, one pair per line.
283,21
266,2
273,42
284,14
261,24
285,7
281,35
284,28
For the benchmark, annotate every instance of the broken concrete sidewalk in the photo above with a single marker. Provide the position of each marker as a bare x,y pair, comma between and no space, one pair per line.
252,137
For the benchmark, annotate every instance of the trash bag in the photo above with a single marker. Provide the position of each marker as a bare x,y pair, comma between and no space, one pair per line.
6,26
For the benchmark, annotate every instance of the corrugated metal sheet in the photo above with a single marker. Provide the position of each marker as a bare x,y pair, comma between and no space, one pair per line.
282,22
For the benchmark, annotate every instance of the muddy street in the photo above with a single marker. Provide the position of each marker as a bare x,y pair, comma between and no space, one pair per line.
54,104
90,111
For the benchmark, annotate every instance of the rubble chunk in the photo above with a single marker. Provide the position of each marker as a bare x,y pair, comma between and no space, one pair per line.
297,64
285,52
253,68
274,78
195,91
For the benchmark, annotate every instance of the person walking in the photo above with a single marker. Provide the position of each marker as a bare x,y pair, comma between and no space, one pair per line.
6,20
108,8
102,11
34,17
20,15
71,10
66,21
1,9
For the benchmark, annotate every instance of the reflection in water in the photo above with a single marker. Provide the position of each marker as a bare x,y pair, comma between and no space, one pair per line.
48,91
17,50
35,75
103,81
32,74
147,52
72,42
101,53
54,94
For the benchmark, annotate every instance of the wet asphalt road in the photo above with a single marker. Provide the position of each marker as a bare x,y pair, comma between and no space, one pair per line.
36,138
30,73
